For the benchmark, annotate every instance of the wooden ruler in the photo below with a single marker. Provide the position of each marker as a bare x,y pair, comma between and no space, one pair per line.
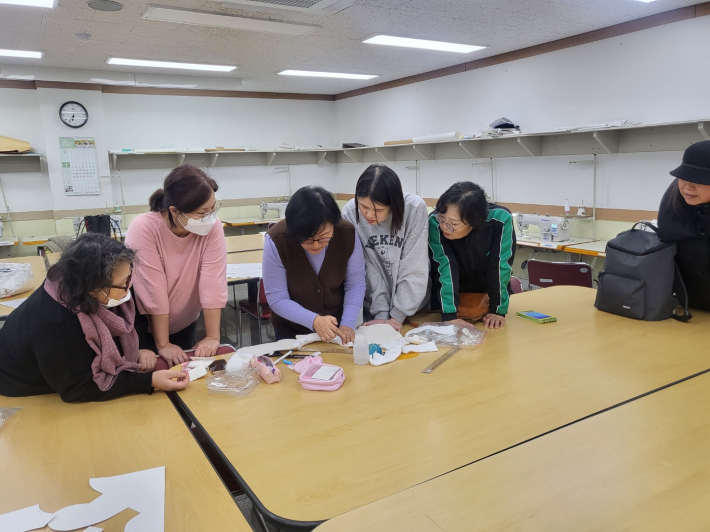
325,350
439,361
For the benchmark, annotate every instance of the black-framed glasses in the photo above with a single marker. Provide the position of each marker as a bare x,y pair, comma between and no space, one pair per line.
128,282
448,225
319,240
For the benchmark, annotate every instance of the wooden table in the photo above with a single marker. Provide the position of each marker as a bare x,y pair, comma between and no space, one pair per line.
556,246
239,244
244,222
593,249
307,456
642,466
51,449
40,273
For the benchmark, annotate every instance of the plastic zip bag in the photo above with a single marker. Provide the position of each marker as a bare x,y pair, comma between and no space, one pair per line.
442,333
239,382
15,278
5,413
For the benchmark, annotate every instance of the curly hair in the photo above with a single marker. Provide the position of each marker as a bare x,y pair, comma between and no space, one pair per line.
88,265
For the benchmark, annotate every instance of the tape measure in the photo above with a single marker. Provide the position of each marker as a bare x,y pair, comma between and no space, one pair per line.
439,361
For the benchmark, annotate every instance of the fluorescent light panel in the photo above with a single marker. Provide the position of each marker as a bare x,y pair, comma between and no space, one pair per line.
220,20
21,53
31,3
325,74
167,64
388,40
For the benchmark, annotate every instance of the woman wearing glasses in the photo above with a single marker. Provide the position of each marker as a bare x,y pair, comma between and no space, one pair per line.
182,264
313,269
392,226
75,334
471,247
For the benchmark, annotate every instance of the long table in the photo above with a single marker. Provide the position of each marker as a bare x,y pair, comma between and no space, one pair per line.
51,449
40,273
307,456
239,244
642,466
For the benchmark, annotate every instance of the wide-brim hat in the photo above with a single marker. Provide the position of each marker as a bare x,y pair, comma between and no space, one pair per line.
696,164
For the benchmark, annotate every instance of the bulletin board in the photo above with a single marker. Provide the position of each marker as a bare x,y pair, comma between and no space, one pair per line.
80,167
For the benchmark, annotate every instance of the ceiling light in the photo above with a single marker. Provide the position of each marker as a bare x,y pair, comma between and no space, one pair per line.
221,20
167,64
421,43
104,5
21,53
32,3
325,74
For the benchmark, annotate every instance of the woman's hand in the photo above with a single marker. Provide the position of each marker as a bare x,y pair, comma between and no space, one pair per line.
347,334
327,328
173,355
493,321
207,347
146,358
170,381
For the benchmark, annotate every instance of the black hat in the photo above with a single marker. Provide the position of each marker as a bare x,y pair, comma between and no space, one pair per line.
696,164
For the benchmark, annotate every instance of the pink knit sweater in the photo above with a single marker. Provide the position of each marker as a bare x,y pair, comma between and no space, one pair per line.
177,276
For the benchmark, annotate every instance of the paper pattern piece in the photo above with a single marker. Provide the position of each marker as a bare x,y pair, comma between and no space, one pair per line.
142,491
30,518
10,145
14,303
380,333
80,167
250,270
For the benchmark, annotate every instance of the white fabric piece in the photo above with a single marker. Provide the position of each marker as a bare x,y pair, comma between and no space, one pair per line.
305,339
380,333
267,349
438,329
239,361
142,491
438,137
429,347
14,303
392,351
30,518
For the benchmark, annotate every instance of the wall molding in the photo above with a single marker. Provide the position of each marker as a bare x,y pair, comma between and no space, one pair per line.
659,19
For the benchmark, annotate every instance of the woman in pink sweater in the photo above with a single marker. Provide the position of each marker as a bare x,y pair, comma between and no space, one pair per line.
182,263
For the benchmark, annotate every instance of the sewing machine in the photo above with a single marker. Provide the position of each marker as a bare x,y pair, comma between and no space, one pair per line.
280,207
552,228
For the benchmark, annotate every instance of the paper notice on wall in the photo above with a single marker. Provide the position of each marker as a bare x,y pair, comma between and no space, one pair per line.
80,167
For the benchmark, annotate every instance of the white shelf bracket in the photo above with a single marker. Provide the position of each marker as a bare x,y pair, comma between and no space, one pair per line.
270,157
388,154
114,158
426,152
180,159
356,156
703,130
532,145
320,155
608,140
470,152
213,159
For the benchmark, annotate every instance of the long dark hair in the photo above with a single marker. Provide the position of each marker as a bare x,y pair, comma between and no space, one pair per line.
676,201
469,198
308,210
185,188
381,185
88,265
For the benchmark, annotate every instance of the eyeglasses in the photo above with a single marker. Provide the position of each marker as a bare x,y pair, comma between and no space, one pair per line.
448,225
319,240
128,282
209,215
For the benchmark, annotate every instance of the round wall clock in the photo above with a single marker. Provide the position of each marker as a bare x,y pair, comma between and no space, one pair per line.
73,114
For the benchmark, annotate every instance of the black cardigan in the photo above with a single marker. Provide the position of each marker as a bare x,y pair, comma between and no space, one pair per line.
43,350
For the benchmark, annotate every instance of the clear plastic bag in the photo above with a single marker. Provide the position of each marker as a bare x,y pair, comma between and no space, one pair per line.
5,413
15,278
442,333
239,382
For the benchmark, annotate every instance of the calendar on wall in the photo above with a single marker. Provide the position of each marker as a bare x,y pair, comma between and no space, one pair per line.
80,166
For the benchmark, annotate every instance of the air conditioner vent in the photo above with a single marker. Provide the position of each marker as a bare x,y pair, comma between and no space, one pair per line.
312,7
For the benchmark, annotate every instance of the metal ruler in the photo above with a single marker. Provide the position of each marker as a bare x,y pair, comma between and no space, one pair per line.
439,361
325,350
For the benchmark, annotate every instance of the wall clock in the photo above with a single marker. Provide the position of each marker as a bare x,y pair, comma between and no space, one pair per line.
73,114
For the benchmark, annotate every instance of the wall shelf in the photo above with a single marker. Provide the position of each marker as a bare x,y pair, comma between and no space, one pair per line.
628,139
20,162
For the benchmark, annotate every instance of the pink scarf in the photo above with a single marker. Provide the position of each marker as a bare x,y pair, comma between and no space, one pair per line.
99,329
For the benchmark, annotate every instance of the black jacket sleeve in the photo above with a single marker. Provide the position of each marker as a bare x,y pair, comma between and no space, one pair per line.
65,363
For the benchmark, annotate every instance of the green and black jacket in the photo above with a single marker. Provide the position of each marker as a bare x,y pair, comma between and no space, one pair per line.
480,262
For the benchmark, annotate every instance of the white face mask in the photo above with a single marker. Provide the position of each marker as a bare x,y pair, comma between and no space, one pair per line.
116,302
200,227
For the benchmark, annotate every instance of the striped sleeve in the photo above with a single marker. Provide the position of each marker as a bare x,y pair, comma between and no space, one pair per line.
500,261
444,280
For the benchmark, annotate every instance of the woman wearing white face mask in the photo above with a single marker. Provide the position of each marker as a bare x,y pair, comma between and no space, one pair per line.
75,335
182,266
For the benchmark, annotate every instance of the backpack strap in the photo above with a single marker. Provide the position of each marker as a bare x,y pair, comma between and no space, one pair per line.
647,224
682,295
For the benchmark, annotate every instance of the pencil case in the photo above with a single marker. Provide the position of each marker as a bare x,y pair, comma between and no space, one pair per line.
309,378
267,371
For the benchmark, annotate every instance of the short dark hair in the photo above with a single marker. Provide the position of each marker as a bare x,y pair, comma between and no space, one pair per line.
469,198
185,188
87,265
677,202
382,185
308,210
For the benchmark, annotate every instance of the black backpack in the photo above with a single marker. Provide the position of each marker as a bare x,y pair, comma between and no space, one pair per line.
640,278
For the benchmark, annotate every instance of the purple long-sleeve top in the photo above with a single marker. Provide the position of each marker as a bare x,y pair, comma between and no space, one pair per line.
276,286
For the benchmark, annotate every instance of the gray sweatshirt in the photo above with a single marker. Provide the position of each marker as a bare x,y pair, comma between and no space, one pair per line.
396,267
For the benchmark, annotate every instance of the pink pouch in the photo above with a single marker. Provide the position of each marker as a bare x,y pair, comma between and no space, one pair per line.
309,383
267,371
303,364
